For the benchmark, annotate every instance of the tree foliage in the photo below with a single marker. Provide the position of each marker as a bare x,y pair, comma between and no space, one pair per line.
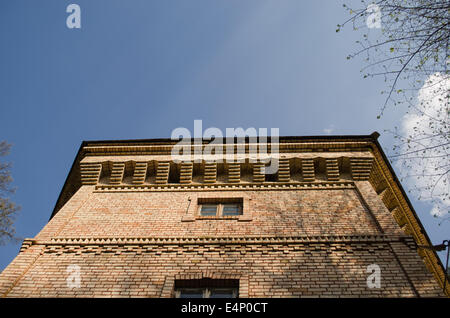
407,44
8,209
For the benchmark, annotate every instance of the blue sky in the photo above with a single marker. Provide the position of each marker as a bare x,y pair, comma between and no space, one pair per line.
141,68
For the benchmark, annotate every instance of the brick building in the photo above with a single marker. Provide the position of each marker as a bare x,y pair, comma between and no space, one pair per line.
130,221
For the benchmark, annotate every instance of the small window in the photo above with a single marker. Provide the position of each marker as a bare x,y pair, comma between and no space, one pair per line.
207,288
220,209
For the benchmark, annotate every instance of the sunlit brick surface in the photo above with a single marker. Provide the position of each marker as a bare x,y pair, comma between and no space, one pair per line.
308,234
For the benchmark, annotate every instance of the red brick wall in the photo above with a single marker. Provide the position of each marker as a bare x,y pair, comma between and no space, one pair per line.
363,233
273,270
274,213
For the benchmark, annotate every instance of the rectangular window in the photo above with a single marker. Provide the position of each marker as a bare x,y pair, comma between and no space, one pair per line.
221,209
207,288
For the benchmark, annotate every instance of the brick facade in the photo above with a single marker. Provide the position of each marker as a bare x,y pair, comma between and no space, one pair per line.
133,227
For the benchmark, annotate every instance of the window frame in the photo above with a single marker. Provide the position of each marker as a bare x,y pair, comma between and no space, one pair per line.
206,287
207,291
220,210
194,203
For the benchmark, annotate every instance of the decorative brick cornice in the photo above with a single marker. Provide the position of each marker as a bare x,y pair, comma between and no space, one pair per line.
228,186
311,169
234,173
258,175
140,172
210,174
284,172
117,172
90,173
247,240
384,182
186,172
287,147
361,168
308,170
162,172
332,169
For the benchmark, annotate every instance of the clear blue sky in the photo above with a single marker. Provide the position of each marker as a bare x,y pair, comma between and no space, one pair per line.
140,68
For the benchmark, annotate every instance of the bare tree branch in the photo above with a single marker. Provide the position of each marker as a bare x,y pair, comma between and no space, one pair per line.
410,51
